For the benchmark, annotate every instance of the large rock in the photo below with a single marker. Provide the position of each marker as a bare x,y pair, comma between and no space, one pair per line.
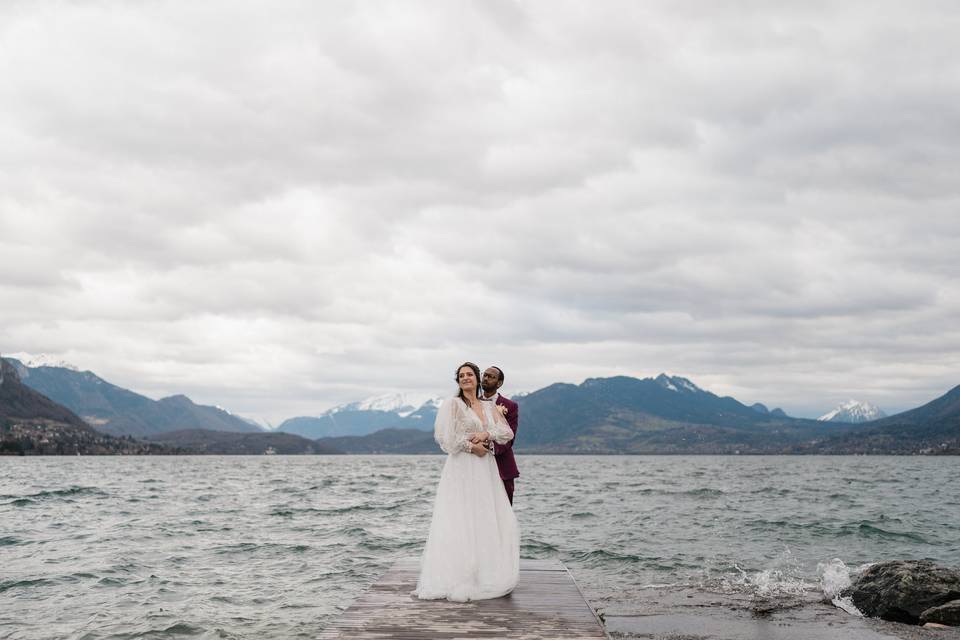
902,590
944,614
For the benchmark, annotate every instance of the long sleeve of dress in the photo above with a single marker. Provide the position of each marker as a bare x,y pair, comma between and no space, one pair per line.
449,429
500,431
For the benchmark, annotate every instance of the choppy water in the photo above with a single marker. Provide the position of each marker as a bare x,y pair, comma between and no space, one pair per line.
275,547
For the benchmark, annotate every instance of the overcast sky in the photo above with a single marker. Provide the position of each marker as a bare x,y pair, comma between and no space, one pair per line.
281,206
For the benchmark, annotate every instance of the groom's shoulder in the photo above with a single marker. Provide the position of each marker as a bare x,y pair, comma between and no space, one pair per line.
507,401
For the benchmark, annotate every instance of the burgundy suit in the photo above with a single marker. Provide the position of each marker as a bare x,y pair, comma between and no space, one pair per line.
503,453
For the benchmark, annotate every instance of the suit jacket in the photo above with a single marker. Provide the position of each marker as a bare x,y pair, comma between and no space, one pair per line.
504,452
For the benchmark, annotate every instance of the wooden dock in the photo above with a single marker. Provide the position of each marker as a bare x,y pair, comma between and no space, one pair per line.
547,603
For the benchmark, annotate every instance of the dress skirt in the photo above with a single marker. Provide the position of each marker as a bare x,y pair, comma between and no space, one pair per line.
473,548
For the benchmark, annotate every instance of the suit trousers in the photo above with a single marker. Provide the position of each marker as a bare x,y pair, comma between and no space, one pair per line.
508,485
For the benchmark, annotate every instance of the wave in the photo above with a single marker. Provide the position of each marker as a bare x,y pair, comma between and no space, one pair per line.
7,585
335,511
251,547
30,498
775,491
77,577
877,480
533,546
704,491
177,630
870,529
770,525
107,581
386,544
835,576
602,557
866,528
700,492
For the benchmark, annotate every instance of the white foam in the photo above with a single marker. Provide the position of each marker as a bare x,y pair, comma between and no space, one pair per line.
835,576
847,605
783,577
775,581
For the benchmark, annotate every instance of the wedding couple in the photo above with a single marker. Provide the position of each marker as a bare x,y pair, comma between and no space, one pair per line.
473,548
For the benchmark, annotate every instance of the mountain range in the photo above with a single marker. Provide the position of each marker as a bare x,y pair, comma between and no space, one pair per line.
395,411
652,415
672,415
32,423
931,428
665,414
118,411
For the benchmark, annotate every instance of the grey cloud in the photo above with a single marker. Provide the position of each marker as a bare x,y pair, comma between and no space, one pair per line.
322,202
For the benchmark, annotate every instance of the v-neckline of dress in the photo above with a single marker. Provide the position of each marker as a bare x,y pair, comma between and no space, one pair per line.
480,418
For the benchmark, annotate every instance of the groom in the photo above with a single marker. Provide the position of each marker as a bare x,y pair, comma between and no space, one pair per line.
490,383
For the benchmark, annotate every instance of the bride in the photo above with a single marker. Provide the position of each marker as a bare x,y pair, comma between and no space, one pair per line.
473,548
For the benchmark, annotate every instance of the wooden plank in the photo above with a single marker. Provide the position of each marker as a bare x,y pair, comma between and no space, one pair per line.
547,603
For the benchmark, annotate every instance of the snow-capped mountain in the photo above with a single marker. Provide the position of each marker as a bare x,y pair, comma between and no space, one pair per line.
262,425
254,423
403,404
853,411
392,411
431,403
676,383
40,360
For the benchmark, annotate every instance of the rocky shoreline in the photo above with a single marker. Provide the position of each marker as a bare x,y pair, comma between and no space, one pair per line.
695,614
894,600
915,592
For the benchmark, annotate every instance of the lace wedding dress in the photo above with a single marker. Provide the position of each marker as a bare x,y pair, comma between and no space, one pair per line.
473,548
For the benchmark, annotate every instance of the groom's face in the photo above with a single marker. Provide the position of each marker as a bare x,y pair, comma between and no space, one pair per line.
491,380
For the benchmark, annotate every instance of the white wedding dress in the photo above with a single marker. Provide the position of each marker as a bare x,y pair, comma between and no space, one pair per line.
473,548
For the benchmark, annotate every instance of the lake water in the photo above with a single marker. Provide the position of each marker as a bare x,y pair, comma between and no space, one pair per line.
277,546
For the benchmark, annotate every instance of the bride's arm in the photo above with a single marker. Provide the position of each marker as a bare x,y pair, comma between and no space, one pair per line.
500,431
449,429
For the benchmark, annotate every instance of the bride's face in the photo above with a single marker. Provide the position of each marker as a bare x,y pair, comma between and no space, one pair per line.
467,379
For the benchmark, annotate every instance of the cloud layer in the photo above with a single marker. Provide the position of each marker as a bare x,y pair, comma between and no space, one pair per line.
277,207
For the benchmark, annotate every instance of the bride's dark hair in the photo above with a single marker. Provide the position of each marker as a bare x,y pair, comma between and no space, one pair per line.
476,373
